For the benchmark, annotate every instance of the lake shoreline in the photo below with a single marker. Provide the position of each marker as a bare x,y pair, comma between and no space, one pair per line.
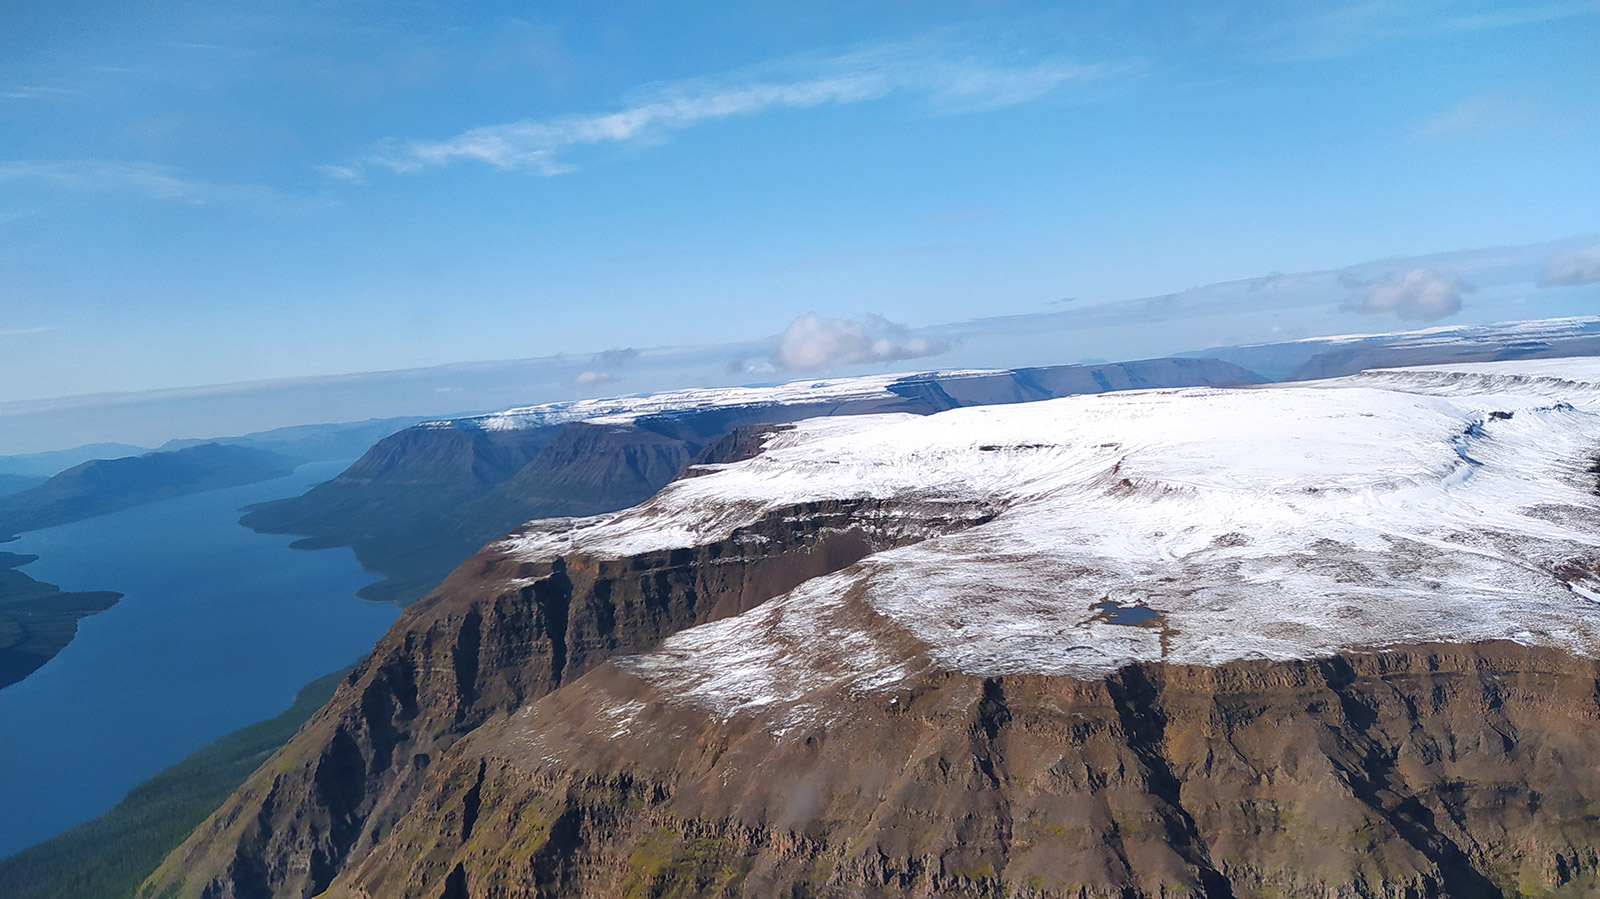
38,619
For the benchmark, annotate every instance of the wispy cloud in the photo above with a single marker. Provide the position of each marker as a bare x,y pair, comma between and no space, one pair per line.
35,92
1477,114
350,173
1332,30
1511,16
23,332
155,182
225,49
947,80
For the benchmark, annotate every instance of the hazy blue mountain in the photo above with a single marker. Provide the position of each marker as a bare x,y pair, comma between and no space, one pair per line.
16,483
311,443
44,465
108,485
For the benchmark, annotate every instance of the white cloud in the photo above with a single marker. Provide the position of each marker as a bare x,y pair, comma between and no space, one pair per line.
1573,269
814,343
589,378
1421,294
342,173
949,81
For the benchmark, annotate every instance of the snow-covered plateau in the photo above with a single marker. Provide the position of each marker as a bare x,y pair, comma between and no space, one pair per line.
1431,504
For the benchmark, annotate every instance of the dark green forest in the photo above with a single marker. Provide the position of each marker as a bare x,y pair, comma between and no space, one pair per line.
109,856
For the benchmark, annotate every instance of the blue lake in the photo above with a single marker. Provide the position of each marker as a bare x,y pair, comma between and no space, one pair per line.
218,627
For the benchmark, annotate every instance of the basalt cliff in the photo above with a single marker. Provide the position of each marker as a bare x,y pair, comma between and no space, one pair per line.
1326,640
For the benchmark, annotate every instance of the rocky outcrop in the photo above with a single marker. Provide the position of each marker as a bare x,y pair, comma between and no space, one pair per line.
498,634
1429,771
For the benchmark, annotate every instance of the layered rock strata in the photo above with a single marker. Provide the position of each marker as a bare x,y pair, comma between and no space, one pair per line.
1429,771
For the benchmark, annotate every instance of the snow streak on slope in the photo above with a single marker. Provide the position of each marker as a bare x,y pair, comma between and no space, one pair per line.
1275,522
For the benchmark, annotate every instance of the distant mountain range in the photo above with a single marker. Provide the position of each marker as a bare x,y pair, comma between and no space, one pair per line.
43,465
304,443
16,483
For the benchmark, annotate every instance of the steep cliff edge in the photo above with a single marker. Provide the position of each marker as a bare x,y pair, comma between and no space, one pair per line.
1430,771
1323,640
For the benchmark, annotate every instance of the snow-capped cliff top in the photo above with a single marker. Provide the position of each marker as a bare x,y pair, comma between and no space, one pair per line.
1442,503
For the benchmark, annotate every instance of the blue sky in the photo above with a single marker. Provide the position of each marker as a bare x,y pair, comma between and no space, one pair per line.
194,194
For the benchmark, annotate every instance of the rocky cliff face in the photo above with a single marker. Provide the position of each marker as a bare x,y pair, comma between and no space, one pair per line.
1430,771
498,634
